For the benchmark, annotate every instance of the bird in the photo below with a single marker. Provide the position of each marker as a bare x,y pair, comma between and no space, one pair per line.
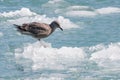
37,29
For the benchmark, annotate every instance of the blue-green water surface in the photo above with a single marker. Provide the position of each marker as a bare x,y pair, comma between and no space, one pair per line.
87,49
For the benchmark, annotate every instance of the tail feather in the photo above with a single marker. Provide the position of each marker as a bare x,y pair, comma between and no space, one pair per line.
19,27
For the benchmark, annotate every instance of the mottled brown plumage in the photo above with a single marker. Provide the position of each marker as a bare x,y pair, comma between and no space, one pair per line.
38,30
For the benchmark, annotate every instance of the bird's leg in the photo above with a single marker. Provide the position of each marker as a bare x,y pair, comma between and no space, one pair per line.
42,43
39,39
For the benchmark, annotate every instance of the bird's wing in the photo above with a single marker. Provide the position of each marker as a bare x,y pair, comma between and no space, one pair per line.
38,28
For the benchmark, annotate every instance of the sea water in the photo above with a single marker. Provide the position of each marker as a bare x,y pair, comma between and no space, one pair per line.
87,49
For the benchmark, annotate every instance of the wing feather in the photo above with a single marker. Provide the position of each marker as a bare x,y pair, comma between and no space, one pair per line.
38,28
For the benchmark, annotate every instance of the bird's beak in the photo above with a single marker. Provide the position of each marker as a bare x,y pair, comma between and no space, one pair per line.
61,28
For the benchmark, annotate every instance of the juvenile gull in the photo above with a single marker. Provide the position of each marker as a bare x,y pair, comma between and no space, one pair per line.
38,30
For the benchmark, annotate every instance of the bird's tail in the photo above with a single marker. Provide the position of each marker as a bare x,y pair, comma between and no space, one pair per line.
18,27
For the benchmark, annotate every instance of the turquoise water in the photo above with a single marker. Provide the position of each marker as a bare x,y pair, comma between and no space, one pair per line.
87,49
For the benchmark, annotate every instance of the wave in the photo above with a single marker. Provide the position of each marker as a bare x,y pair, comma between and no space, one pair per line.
86,11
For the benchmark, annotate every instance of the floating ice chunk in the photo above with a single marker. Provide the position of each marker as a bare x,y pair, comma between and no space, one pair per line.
54,1
108,10
86,11
22,12
108,56
79,8
51,58
81,13
111,53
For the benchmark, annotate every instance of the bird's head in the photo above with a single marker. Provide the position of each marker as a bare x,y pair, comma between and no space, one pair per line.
55,24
